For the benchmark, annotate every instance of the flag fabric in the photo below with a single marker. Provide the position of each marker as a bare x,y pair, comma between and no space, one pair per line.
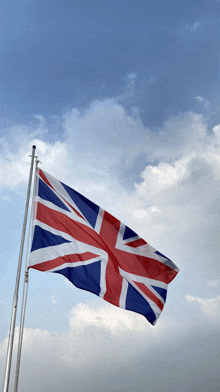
74,237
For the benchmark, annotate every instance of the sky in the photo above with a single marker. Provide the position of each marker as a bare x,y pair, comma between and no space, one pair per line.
121,99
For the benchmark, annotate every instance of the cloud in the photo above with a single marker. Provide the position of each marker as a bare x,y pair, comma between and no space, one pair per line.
202,29
109,318
210,306
15,167
174,202
6,198
54,299
213,283
205,102
40,118
177,200
195,26
131,76
107,130
113,349
95,333
99,137
200,99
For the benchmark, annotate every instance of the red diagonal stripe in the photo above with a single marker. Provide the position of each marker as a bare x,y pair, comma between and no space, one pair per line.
44,178
145,266
61,222
59,261
135,244
150,295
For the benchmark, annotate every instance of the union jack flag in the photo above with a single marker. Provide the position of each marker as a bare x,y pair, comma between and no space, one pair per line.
74,237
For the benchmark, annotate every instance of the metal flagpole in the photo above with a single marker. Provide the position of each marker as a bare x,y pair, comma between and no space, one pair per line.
25,290
15,300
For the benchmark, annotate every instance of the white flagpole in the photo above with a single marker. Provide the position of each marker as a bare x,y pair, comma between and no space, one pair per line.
15,300
25,290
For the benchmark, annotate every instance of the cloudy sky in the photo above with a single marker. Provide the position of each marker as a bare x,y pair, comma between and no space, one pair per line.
121,98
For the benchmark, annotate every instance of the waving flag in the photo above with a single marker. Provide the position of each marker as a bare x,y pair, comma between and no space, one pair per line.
74,237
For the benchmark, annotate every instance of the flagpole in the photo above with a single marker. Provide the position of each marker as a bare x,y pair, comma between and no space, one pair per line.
15,300
25,289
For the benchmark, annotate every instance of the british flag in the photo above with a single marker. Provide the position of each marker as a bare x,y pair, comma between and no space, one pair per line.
74,237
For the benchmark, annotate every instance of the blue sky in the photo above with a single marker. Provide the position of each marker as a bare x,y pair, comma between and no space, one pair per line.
122,100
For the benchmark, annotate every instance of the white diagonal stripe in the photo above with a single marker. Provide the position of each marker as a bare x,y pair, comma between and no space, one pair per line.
62,193
123,295
103,276
73,265
99,220
52,252
148,282
72,215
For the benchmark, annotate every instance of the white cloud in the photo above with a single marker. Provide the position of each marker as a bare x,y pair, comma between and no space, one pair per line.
104,132
6,198
40,118
93,331
160,178
195,26
116,321
213,283
177,200
15,167
112,348
190,29
210,306
178,196
216,130
200,99
131,76
54,299
202,29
